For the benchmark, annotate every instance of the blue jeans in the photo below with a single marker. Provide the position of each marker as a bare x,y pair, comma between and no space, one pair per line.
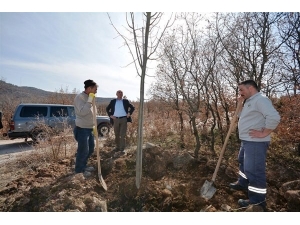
252,166
85,140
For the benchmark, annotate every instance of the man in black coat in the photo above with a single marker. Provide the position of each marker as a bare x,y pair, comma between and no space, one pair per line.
120,110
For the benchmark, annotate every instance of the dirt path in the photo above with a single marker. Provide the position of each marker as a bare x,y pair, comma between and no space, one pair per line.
11,149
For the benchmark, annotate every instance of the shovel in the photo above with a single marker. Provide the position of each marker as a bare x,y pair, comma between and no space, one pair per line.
102,182
208,190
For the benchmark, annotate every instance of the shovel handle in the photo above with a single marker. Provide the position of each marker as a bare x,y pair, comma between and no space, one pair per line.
95,124
96,134
97,146
239,106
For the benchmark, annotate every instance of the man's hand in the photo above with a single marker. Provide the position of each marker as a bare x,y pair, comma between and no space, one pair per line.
94,130
264,132
91,97
241,99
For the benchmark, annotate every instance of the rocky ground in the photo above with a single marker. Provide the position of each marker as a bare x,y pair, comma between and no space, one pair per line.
171,182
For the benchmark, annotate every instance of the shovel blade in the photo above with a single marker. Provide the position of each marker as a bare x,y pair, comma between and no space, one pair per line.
102,182
207,190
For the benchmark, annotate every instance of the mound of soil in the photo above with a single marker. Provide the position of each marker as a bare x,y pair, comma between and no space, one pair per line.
171,182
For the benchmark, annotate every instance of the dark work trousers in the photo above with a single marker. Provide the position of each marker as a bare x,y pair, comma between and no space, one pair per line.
86,145
252,166
120,129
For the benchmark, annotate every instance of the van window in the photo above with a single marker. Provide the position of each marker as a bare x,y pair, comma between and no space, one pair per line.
72,111
33,111
58,111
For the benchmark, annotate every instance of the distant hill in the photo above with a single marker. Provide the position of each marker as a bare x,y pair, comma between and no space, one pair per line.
25,94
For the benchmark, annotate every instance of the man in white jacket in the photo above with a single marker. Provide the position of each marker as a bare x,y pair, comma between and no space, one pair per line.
257,119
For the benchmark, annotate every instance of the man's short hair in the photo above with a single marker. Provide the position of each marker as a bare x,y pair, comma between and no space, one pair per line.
89,83
249,83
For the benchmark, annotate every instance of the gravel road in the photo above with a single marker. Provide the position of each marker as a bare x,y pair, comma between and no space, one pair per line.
9,149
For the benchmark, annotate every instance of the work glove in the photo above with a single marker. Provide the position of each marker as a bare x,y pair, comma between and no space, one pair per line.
91,97
94,130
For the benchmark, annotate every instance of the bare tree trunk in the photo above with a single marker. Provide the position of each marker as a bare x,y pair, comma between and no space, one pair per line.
196,135
141,108
182,144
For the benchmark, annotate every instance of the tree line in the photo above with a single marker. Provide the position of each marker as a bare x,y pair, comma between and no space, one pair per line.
203,58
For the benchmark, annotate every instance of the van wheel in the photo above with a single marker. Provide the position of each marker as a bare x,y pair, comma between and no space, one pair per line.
103,130
40,136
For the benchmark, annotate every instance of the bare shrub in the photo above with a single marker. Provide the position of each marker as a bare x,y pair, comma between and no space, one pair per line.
57,147
56,142
131,135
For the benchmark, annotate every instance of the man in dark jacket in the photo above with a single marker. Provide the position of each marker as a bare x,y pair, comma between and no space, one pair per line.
120,110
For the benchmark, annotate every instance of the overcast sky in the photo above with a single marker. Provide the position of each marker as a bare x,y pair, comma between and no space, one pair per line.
54,50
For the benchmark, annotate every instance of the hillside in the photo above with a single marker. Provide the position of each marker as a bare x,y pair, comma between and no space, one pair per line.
29,94
8,90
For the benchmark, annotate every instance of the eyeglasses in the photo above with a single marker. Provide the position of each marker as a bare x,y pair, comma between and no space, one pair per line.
119,92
